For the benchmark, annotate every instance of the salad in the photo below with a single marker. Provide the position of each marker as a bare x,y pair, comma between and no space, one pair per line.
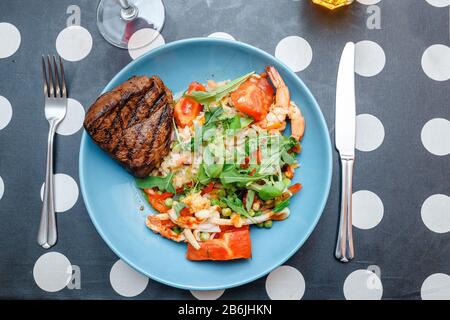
229,166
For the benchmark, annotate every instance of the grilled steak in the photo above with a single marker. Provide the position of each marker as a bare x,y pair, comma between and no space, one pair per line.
133,123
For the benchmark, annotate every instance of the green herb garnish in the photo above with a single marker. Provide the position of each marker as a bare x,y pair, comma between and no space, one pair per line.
162,183
249,199
202,177
235,204
268,191
282,205
231,175
206,97
178,206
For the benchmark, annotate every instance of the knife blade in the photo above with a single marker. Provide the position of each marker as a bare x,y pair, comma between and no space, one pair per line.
345,103
345,136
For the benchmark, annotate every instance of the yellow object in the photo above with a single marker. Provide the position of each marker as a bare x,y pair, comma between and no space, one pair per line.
333,4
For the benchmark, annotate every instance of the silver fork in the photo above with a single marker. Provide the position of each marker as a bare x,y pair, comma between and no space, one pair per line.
55,110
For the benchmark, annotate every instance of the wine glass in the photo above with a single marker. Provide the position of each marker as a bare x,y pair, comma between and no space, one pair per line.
118,20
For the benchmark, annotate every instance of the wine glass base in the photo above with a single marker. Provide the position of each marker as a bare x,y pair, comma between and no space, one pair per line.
118,31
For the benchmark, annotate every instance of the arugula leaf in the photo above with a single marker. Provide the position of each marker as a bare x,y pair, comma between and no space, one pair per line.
235,207
268,191
162,183
209,132
271,165
178,206
231,175
288,142
282,205
245,121
249,199
213,168
206,97
235,123
212,116
202,177
235,204
287,158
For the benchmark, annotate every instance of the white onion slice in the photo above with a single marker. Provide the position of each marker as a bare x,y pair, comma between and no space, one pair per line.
191,239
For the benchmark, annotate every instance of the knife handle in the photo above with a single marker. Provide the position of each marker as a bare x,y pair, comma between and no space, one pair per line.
344,247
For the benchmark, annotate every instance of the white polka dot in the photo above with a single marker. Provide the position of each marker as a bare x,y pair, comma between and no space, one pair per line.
66,192
9,39
368,209
369,58
285,283
207,295
295,52
436,62
74,43
5,112
363,284
436,287
2,187
52,271
144,40
435,136
439,3
369,132
368,2
73,121
126,281
221,35
435,213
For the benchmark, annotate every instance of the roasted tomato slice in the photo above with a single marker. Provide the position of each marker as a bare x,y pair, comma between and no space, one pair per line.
295,188
196,86
185,212
230,244
208,189
158,204
157,201
297,148
187,109
254,97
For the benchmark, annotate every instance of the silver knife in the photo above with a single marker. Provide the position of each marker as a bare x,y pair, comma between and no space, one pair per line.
345,144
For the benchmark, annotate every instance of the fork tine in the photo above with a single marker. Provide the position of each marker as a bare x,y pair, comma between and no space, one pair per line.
50,78
44,77
63,80
57,87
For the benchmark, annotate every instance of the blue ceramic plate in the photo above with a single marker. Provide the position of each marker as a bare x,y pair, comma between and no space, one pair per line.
113,201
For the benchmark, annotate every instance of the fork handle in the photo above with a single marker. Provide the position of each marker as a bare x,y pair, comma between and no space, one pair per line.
47,234
344,247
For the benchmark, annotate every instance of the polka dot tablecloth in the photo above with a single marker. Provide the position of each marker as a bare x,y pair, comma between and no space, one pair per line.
402,174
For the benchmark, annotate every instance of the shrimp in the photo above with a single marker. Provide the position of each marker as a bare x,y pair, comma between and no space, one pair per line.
282,96
282,108
161,224
297,122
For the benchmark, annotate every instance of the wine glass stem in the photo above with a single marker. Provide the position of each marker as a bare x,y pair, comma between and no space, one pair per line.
128,11
124,4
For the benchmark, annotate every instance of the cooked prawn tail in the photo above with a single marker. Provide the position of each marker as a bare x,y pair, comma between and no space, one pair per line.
297,122
275,77
282,96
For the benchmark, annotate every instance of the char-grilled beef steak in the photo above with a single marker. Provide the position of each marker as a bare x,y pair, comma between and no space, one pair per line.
133,123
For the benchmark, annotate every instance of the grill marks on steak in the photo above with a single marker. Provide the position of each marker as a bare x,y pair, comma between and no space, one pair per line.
133,123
